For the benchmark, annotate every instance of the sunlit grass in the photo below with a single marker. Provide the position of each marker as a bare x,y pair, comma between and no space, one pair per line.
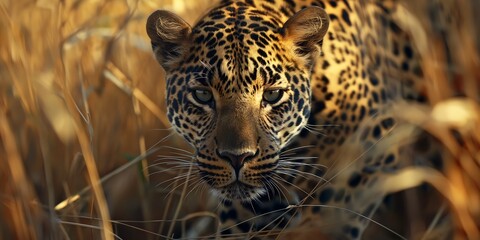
82,122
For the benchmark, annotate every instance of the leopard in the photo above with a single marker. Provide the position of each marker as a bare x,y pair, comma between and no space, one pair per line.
288,107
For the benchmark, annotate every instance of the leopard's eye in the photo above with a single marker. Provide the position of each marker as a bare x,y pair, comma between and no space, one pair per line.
273,96
202,96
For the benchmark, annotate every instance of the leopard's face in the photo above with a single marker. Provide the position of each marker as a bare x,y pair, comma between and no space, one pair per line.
238,91
238,111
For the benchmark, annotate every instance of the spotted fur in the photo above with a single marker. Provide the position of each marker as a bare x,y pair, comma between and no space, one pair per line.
335,65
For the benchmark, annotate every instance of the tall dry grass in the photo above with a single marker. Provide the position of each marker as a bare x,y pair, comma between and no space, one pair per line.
448,38
81,99
82,119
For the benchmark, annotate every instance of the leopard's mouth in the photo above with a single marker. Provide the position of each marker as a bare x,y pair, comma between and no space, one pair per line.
240,191
245,183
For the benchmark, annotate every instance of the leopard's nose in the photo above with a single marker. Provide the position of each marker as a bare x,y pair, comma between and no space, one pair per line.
237,160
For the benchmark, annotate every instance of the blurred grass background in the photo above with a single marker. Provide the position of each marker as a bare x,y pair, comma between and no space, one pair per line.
82,99
81,96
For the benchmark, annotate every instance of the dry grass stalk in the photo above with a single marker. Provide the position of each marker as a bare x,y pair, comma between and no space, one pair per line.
80,94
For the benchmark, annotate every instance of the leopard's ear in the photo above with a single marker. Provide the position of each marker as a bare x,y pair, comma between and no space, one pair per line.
306,30
169,34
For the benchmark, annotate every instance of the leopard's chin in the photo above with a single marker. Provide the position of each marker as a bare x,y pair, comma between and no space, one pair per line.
240,191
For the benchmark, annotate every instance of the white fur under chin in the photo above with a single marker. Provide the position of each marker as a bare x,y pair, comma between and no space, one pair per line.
239,195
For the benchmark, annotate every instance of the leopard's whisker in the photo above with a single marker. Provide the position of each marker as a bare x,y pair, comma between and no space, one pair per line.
274,175
274,220
370,148
324,125
177,154
279,187
178,149
195,186
173,159
181,176
355,213
316,132
164,139
286,164
297,163
297,158
163,129
176,168
169,165
188,181
300,173
296,149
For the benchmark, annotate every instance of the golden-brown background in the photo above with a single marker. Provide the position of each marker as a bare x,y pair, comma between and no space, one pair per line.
81,98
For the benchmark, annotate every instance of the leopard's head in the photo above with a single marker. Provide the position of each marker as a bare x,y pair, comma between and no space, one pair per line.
238,88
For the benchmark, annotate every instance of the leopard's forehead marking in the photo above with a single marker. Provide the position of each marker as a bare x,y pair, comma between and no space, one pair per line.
237,47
